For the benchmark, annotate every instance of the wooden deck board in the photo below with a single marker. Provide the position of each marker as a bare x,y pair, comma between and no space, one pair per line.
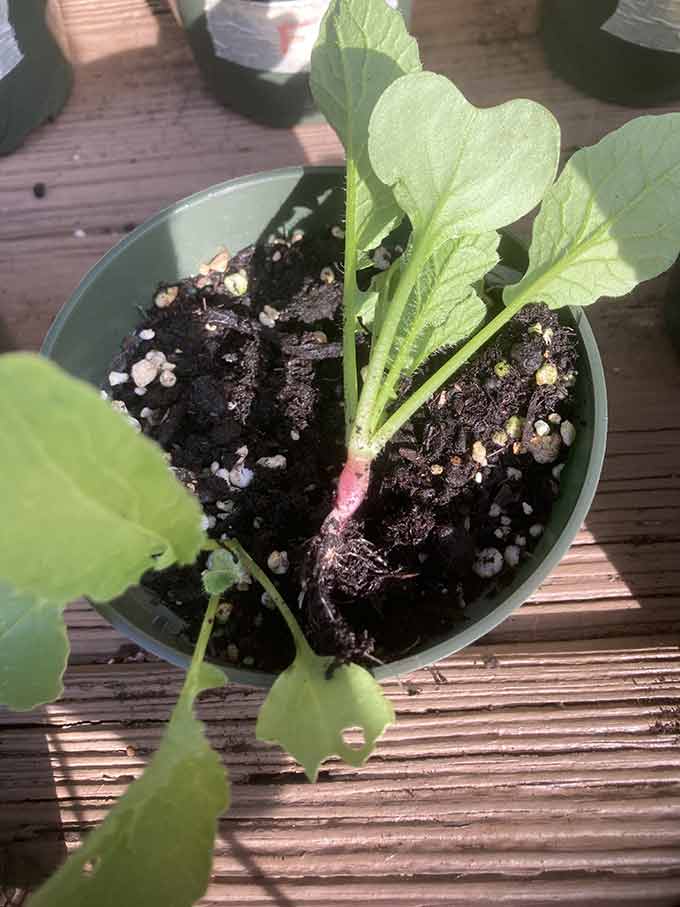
540,766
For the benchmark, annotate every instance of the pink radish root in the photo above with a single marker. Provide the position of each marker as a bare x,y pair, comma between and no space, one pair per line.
352,488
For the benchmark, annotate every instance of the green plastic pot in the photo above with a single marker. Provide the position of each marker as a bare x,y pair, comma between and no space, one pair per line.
90,327
35,76
257,90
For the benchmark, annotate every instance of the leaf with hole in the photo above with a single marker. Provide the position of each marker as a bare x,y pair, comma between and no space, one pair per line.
309,706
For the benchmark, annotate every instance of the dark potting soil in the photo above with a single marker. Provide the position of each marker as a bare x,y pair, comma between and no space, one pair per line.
252,422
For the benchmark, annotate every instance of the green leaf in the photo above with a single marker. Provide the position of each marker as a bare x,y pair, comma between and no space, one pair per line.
363,46
307,711
310,704
443,308
88,504
611,220
456,168
155,846
33,650
223,572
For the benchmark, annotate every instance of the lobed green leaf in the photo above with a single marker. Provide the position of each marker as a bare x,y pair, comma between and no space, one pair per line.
33,649
611,219
223,572
443,308
455,168
363,46
307,711
89,505
155,846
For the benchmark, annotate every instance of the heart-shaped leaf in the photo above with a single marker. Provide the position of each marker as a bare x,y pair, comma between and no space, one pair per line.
456,168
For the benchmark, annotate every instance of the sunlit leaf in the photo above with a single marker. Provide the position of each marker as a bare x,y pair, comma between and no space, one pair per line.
307,711
611,220
155,846
88,505
33,649
363,46
456,168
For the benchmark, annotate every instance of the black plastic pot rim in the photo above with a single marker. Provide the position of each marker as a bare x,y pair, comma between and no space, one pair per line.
463,637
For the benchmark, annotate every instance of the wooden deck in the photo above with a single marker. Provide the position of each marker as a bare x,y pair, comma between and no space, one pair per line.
539,767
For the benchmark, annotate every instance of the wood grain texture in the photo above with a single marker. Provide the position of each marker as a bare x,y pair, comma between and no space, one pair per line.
538,767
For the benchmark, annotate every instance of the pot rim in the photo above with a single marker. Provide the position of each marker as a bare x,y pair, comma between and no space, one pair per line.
480,626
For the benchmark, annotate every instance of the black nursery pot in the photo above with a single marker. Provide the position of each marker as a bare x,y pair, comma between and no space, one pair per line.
104,309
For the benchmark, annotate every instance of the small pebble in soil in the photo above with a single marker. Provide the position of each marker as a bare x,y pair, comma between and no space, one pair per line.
494,511
337,232
278,562
536,530
548,334
520,540
506,521
168,378
267,602
278,461
166,297
557,471
144,372
511,555
499,438
116,378
220,262
295,435
436,469
479,453
547,374
488,562
513,473
327,275
541,428
39,190
236,284
555,418
140,391
527,508
147,334
568,432
381,258
297,236
240,476
514,427
479,478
